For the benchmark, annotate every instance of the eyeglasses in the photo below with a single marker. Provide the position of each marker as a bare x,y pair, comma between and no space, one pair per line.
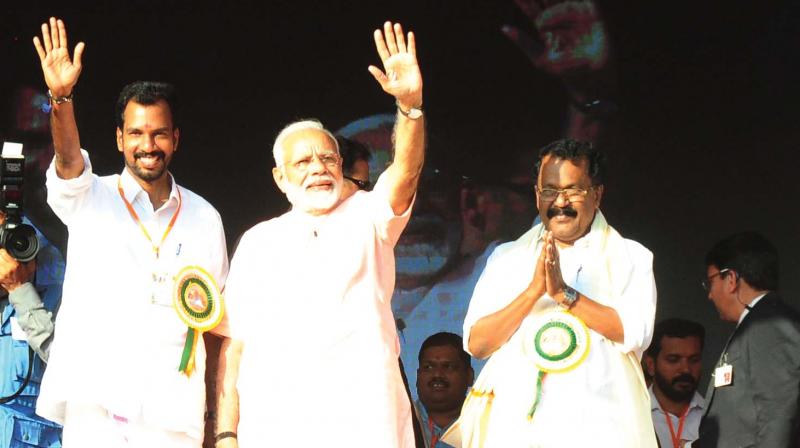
365,185
572,194
707,281
330,160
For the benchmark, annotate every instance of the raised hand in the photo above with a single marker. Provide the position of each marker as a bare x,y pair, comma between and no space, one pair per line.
400,76
60,72
571,35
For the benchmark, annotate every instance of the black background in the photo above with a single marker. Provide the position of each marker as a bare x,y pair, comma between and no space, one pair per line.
705,143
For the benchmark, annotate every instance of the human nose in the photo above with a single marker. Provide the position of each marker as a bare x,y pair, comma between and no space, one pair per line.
147,142
316,165
561,197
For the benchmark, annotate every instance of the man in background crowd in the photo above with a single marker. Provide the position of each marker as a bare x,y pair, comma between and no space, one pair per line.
443,378
674,361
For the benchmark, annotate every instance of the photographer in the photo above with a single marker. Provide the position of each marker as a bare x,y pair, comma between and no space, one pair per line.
29,300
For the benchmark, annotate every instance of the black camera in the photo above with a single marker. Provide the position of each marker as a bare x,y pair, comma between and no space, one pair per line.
17,238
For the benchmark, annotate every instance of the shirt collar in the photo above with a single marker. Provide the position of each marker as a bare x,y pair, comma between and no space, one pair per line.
747,308
697,401
132,189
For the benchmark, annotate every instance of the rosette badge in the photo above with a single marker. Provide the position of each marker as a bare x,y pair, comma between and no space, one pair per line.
559,344
199,304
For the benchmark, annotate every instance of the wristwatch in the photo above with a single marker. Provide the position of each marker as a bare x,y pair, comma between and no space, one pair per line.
570,297
413,113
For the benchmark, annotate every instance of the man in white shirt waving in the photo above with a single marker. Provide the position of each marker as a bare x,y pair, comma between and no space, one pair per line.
113,377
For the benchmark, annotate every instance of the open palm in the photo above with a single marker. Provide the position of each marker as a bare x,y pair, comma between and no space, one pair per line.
60,71
400,76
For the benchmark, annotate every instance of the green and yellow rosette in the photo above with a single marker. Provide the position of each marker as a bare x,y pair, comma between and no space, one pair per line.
560,343
198,302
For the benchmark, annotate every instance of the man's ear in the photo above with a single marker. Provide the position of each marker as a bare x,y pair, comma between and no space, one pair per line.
651,365
731,281
277,174
176,136
470,376
598,190
119,139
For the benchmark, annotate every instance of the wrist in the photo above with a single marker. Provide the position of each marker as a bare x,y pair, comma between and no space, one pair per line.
60,96
567,297
407,104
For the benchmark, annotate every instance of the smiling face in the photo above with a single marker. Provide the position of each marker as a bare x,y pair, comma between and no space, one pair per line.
311,172
568,219
442,378
148,140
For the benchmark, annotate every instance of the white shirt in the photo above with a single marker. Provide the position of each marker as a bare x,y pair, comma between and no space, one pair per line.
747,308
118,339
606,392
310,297
691,424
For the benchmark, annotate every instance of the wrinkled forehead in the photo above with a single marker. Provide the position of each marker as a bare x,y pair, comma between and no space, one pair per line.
307,142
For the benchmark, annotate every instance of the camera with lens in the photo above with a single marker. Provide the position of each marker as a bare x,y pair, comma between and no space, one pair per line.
17,238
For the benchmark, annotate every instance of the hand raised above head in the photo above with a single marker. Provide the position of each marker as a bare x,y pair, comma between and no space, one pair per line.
400,76
60,71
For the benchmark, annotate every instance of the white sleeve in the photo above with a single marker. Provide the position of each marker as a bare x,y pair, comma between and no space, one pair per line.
67,196
637,305
501,282
388,225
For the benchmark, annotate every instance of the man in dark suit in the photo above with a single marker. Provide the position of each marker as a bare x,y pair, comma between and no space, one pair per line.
754,391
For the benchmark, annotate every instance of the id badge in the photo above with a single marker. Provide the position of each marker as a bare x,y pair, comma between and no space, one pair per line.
163,284
723,375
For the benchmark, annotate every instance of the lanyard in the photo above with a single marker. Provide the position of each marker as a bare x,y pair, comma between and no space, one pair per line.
138,221
676,438
434,437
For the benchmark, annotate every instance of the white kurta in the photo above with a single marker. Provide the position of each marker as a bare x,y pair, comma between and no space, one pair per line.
310,299
603,401
118,340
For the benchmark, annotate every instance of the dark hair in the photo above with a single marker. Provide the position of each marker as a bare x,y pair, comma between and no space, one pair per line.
575,150
675,328
147,93
352,151
448,339
751,256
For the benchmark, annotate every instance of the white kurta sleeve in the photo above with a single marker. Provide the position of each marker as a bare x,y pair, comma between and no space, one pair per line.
637,304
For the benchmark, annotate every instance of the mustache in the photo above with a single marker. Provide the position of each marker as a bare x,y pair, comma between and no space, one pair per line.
157,153
685,378
438,380
321,178
559,211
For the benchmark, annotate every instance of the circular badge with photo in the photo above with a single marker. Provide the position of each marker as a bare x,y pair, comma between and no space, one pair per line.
558,342
197,299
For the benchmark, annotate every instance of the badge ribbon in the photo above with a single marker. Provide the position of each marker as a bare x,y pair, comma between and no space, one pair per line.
560,344
199,304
